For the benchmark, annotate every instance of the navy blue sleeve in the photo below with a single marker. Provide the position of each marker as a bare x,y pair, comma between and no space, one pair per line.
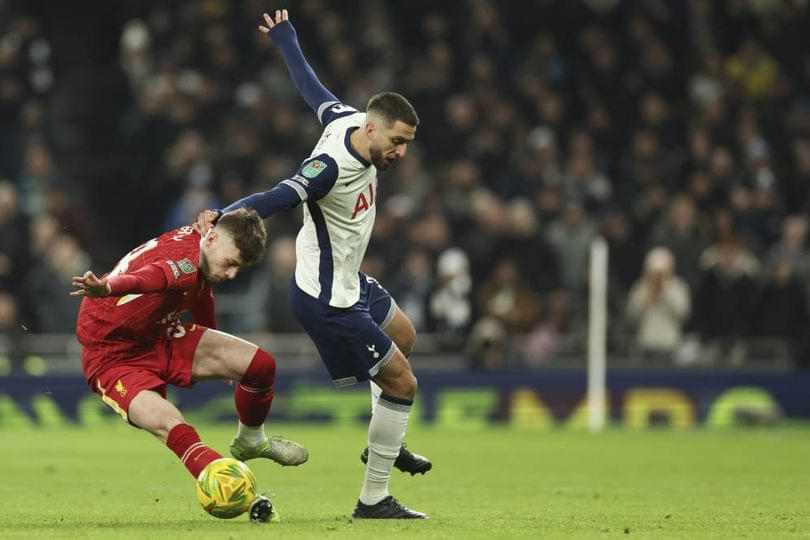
313,180
310,88
280,197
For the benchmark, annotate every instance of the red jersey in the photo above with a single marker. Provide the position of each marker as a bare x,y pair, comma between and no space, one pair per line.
123,324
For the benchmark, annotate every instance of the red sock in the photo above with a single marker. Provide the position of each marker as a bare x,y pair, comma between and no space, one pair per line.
254,393
184,441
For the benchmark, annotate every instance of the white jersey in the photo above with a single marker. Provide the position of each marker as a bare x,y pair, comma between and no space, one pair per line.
339,189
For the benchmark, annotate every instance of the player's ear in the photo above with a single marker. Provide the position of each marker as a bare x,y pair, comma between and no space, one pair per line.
211,237
371,131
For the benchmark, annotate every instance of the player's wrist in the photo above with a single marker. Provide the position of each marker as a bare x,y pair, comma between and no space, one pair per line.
110,285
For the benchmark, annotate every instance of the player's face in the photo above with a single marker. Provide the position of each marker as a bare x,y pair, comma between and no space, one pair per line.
221,260
390,143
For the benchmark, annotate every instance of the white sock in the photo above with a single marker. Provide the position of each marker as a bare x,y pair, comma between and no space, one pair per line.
375,394
251,436
385,433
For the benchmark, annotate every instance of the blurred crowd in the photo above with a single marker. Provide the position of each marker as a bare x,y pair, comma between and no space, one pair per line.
678,131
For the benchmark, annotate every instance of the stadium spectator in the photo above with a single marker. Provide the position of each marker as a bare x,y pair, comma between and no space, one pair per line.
488,345
724,300
792,248
508,298
658,305
625,250
412,286
450,305
268,290
753,70
49,284
681,233
571,236
781,311
14,242
547,340
522,241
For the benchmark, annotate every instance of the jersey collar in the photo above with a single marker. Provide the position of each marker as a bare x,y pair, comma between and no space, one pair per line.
347,140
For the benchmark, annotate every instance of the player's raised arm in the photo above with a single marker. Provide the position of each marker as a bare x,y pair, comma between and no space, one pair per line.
283,34
311,182
150,278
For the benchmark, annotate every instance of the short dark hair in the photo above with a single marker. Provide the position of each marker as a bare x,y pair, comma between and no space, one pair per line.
393,107
247,230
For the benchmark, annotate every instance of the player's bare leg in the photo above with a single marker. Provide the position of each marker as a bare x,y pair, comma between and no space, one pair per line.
385,433
401,331
150,411
223,356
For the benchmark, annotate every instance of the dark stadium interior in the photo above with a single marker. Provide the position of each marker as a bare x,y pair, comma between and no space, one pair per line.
682,125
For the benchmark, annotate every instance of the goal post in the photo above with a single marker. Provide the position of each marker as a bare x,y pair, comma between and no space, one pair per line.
597,335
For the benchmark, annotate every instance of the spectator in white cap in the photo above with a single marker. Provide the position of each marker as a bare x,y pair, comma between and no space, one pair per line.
659,306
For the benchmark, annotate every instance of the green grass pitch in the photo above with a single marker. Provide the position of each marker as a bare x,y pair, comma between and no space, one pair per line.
120,483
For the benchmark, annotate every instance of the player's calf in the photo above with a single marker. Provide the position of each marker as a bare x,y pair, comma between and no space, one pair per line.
149,411
253,397
184,441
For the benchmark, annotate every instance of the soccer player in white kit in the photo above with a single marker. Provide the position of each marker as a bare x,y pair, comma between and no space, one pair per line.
357,327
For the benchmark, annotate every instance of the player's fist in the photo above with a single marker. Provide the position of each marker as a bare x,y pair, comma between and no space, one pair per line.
90,285
281,16
206,221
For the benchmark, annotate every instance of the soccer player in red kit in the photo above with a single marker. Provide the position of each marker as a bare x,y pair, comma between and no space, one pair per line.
134,344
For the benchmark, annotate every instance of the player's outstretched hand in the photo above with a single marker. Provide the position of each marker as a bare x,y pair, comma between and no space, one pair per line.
206,221
90,285
281,16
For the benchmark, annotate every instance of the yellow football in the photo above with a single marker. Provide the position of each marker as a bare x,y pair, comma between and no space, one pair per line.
226,488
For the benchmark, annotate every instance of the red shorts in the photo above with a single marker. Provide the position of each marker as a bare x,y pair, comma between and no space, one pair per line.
166,362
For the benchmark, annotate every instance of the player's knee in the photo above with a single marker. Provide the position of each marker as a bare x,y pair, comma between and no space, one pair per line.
412,384
405,385
261,373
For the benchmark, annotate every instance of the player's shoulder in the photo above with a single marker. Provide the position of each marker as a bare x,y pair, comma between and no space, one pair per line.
182,246
180,237
335,110
319,163
320,170
180,258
